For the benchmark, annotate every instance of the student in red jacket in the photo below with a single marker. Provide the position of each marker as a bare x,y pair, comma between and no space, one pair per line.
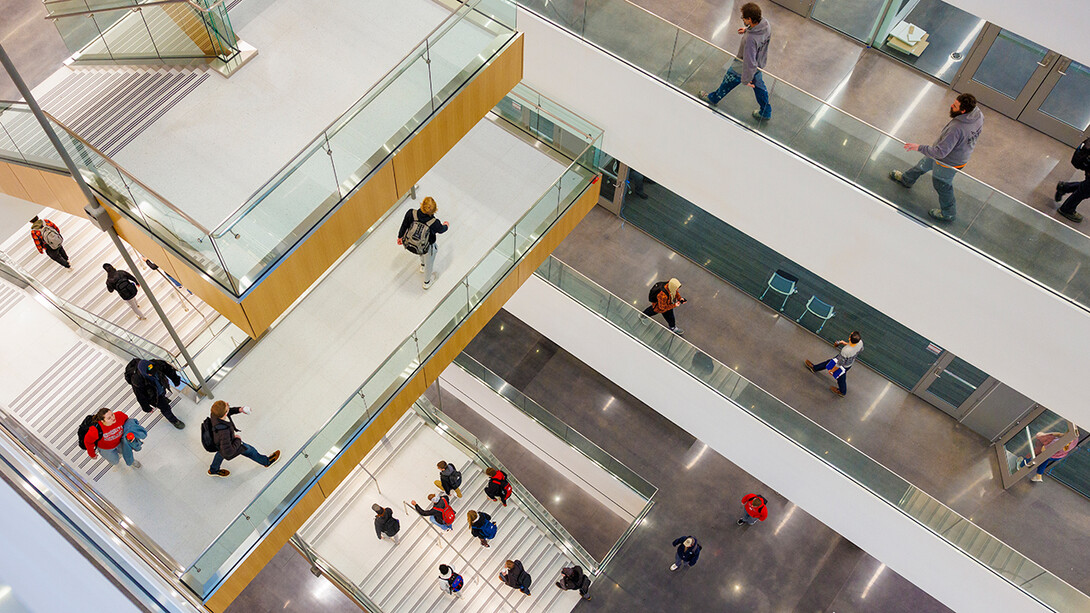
48,240
105,438
498,486
756,509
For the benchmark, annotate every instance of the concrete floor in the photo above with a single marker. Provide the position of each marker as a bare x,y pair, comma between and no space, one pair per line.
33,43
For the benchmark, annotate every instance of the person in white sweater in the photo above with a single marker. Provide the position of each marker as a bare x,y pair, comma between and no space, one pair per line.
838,367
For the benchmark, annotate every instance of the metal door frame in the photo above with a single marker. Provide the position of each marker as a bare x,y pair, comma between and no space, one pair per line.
963,80
1005,476
934,372
1033,117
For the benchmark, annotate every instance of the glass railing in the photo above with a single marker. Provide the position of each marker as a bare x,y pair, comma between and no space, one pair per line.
302,471
989,221
961,533
346,585
251,240
561,430
478,450
126,30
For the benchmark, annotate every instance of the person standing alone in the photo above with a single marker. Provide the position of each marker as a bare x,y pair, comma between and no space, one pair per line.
47,238
947,156
227,441
122,282
417,235
664,299
753,53
838,367
688,552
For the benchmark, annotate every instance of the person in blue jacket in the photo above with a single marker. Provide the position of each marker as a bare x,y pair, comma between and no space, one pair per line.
688,551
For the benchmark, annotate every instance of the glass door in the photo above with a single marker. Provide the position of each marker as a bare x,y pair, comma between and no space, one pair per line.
1060,108
1005,70
802,7
953,385
1031,443
856,18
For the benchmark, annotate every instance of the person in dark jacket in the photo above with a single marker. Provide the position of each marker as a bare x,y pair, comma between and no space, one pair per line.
688,551
122,282
386,523
573,578
229,443
150,380
454,582
435,511
412,238
514,575
450,479
48,240
498,486
481,526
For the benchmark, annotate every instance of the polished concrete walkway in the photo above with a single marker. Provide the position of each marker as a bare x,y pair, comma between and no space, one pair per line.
1046,521
35,46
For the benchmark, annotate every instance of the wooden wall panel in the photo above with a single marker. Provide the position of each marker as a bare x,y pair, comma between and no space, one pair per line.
35,185
444,131
10,184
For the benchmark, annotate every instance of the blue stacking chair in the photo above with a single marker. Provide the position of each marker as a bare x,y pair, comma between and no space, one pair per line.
782,283
817,307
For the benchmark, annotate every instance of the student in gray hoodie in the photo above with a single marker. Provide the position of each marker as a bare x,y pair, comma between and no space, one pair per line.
753,52
947,156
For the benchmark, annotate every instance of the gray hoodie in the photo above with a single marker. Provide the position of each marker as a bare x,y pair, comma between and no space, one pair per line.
753,50
957,140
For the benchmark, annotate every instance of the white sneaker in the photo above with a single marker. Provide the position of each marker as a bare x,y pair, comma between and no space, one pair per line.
136,464
1036,478
673,567
678,331
428,282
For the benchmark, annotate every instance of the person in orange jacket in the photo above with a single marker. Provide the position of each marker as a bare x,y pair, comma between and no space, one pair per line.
756,509
665,298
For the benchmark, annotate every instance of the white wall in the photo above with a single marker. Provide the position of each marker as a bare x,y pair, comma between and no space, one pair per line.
914,552
1060,25
1023,335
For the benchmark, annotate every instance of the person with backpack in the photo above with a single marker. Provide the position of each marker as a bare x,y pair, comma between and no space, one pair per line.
482,526
1079,190
440,511
150,380
47,238
417,235
454,582
688,552
664,299
756,509
122,282
514,575
385,522
450,479
220,436
839,366
573,578
498,486
103,432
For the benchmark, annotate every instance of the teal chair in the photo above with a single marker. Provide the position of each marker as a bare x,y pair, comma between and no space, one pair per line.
820,309
782,283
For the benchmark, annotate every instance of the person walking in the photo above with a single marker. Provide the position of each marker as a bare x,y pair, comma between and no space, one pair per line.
450,479
514,575
227,440
482,526
150,380
688,552
1045,439
753,54
417,234
947,156
122,282
440,511
756,509
452,580
385,523
839,366
498,486
573,578
664,299
48,239
1079,190
103,432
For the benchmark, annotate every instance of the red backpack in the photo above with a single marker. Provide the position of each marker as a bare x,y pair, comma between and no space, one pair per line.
500,479
448,513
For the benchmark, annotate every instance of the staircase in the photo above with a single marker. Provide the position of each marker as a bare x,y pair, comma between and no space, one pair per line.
404,577
84,285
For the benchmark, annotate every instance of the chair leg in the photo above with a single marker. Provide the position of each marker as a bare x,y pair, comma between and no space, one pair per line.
784,302
822,325
799,320
763,294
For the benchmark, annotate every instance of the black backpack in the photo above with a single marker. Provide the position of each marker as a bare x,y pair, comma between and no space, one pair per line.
208,441
456,479
126,288
525,580
85,427
1081,158
130,371
656,289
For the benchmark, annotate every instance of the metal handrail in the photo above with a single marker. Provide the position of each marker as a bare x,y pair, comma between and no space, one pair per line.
126,7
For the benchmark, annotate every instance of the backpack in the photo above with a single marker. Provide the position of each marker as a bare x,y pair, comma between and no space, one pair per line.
656,289
208,440
125,287
131,373
448,513
51,237
488,530
455,479
417,238
1081,158
525,580
85,427
456,583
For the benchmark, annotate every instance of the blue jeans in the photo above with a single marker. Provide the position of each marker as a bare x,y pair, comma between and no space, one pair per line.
841,381
113,456
749,519
942,177
732,79
248,451
1044,465
435,520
